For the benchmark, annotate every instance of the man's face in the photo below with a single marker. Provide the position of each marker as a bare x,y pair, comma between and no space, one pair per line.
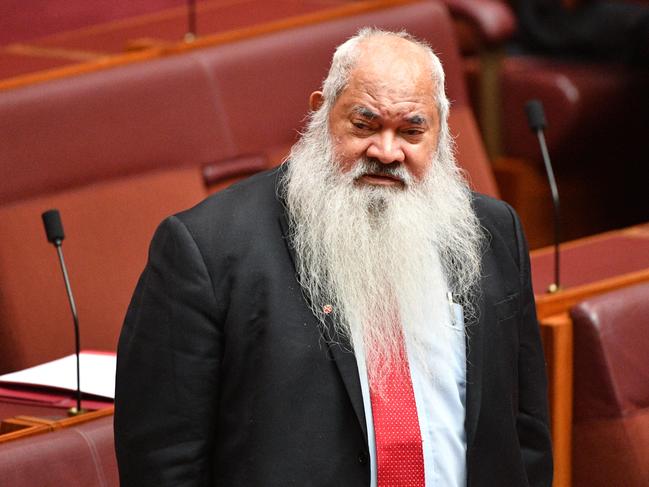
386,114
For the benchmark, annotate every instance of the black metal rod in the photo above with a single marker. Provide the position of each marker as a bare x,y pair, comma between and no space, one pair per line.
191,18
555,202
75,319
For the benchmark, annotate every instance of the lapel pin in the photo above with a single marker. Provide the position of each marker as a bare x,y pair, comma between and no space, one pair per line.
327,308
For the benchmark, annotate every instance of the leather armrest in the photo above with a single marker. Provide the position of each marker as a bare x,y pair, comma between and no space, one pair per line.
236,167
493,20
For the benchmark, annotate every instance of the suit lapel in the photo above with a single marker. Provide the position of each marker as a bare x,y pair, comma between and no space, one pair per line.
339,347
342,354
474,357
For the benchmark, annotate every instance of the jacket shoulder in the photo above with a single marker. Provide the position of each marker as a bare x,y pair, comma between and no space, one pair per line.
245,203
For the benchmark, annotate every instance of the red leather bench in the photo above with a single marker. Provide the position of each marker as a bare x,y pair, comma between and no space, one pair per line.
81,455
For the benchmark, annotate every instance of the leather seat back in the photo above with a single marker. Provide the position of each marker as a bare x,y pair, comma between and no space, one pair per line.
264,82
611,395
108,227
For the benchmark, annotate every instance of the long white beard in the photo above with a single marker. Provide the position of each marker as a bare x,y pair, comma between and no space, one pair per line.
381,258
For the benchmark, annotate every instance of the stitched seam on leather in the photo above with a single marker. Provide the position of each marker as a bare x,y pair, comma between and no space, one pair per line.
95,457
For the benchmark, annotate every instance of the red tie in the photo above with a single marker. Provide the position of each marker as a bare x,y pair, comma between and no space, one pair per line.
400,459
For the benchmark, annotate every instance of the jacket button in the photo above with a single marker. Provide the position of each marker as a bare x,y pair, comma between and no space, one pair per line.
362,457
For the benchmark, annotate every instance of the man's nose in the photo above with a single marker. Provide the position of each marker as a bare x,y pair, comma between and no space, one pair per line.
386,148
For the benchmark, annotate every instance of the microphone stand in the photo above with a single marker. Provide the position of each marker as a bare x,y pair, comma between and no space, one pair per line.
536,120
557,210
190,35
75,319
55,235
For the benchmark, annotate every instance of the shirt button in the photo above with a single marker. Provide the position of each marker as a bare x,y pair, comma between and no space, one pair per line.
362,457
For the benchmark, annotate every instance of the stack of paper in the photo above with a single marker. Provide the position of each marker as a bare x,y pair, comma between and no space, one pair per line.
54,383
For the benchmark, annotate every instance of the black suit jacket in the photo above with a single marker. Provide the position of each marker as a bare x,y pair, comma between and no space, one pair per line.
224,376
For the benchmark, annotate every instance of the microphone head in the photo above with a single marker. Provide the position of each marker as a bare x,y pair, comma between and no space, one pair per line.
53,226
535,115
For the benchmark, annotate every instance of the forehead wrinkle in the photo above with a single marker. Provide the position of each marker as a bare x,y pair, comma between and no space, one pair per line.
369,114
375,96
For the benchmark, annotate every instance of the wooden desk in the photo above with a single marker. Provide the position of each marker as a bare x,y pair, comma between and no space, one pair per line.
590,266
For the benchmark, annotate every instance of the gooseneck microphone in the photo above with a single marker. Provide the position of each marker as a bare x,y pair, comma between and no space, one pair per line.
536,121
55,235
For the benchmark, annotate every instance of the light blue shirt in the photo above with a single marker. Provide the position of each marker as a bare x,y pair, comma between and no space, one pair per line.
441,407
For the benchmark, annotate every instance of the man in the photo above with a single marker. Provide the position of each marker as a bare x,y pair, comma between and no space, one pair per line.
305,327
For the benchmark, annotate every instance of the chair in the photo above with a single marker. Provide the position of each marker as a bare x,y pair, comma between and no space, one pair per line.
611,389
589,140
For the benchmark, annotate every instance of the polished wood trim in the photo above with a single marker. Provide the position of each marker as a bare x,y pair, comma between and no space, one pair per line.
334,13
23,426
52,52
141,20
75,69
16,429
16,424
557,335
66,422
201,42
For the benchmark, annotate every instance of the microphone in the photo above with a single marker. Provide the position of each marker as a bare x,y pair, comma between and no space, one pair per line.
55,235
536,121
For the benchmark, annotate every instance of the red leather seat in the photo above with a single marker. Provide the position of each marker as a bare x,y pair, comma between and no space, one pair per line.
611,389
77,456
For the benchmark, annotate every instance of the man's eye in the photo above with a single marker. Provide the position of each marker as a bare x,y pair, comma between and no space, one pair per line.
361,125
413,132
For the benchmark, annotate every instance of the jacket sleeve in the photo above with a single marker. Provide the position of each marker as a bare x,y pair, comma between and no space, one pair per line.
168,367
532,419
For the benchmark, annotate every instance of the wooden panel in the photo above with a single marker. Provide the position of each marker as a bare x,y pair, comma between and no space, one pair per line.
13,429
556,332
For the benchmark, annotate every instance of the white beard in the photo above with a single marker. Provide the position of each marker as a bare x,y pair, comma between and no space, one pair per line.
382,258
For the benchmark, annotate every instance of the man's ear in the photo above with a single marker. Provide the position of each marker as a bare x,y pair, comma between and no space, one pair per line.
315,100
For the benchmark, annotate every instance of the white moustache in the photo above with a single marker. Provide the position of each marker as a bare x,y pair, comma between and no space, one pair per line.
371,167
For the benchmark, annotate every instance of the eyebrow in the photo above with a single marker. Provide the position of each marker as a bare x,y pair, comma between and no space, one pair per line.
365,112
416,120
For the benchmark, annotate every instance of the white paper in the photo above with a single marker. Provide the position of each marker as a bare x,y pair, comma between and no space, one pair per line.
97,374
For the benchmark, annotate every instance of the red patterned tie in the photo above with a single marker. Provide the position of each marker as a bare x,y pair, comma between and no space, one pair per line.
400,459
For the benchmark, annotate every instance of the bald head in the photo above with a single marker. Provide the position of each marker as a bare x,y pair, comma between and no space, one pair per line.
398,53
